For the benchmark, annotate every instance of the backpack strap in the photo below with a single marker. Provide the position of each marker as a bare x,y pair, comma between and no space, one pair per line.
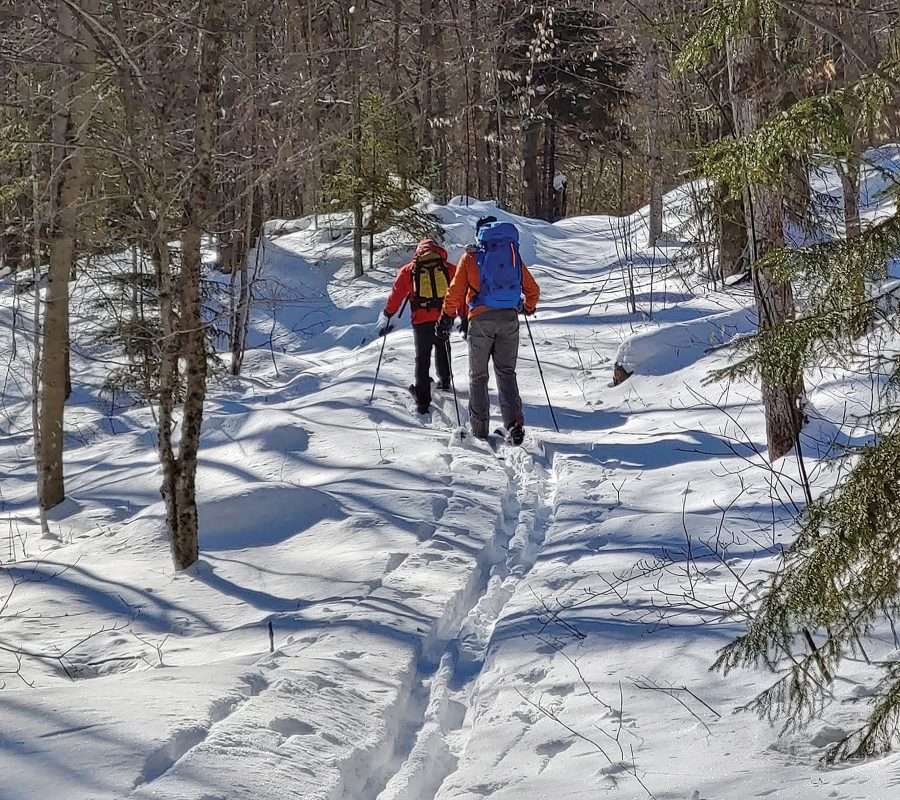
431,279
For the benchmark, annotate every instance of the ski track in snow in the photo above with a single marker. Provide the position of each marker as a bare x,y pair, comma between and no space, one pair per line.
164,758
428,752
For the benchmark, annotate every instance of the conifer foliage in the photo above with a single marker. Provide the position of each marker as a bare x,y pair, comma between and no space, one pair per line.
839,582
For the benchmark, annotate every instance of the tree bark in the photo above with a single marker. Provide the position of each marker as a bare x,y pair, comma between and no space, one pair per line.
179,488
654,157
426,98
549,205
439,89
732,234
849,173
396,52
531,180
249,233
479,124
353,28
754,100
71,113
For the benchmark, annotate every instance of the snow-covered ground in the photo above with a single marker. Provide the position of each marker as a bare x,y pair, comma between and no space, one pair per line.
445,622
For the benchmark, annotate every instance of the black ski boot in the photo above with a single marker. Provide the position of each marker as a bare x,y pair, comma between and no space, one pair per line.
516,433
420,408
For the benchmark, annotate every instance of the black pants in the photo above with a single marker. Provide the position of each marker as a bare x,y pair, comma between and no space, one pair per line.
426,341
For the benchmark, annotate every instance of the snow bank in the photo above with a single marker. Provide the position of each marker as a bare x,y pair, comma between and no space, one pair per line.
665,349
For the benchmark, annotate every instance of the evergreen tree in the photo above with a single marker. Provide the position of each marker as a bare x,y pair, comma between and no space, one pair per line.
840,579
387,178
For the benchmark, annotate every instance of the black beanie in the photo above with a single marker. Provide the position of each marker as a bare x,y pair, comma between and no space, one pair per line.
483,221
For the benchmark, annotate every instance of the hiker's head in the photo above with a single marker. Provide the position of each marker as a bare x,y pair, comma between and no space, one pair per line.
428,247
482,221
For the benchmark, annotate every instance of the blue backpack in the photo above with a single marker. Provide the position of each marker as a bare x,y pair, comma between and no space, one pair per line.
499,266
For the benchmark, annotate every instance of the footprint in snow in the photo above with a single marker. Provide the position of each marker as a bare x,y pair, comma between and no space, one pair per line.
349,655
533,676
288,726
321,682
828,734
549,750
553,747
439,506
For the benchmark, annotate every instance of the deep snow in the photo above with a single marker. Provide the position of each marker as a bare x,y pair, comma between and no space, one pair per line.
446,623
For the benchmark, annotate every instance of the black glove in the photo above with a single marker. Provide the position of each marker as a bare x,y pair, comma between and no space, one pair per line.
443,327
464,327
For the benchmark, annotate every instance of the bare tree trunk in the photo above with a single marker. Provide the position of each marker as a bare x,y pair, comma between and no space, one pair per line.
36,327
654,157
732,234
548,167
72,108
531,181
499,164
168,379
497,117
439,89
396,52
313,110
753,103
426,81
482,180
248,235
353,28
179,483
242,307
849,173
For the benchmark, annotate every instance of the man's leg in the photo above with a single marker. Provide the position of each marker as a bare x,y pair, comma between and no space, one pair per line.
506,353
481,342
424,338
442,360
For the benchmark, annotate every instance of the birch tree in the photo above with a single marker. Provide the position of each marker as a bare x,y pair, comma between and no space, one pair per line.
72,108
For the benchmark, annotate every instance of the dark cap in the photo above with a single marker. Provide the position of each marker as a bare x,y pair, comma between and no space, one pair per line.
482,221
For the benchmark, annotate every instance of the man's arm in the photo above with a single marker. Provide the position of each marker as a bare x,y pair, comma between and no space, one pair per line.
400,291
530,289
455,300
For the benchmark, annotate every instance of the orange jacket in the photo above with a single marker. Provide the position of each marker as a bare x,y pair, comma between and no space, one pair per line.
467,282
403,288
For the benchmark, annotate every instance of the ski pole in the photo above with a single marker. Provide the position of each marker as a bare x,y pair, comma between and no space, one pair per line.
381,354
378,368
541,372
452,383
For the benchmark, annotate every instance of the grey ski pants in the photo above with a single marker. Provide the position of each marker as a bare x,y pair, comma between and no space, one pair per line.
494,335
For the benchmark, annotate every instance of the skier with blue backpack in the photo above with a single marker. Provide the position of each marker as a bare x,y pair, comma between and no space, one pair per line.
494,283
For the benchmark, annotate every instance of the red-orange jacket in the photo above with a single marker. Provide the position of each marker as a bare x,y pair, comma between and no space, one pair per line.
403,288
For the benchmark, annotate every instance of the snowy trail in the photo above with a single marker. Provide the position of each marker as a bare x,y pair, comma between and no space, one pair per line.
429,753
409,575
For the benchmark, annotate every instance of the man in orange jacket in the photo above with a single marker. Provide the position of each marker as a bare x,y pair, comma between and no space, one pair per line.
424,281
493,321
